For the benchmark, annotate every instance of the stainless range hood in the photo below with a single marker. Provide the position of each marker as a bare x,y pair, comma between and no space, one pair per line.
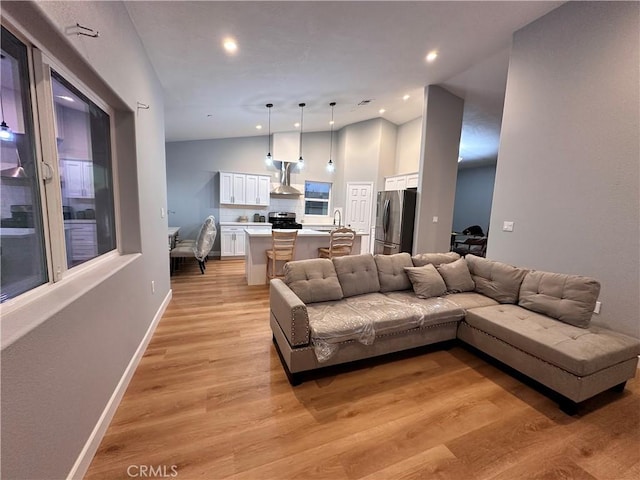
285,187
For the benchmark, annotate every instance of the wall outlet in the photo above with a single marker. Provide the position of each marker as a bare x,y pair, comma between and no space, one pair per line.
507,227
597,309
153,286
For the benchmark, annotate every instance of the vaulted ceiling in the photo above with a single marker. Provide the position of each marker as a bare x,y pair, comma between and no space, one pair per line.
322,52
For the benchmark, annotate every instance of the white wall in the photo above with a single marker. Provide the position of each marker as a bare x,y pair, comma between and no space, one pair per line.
568,167
474,192
58,376
408,146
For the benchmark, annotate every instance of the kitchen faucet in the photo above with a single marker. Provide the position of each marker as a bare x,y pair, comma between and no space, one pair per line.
339,217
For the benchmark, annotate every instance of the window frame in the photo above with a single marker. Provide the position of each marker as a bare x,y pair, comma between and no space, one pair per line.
327,201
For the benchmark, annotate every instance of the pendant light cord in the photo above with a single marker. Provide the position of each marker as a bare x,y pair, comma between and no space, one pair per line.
332,104
301,105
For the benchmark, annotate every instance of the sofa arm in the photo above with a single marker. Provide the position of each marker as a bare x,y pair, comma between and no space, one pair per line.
290,313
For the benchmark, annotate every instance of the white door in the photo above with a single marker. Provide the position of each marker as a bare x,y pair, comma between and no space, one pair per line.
360,209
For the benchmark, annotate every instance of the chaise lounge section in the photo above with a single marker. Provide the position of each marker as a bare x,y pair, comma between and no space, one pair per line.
330,312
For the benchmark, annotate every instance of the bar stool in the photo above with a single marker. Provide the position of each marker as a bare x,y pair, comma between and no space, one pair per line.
340,243
283,248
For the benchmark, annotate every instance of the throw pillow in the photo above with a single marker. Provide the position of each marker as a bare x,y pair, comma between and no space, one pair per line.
434,258
457,277
426,281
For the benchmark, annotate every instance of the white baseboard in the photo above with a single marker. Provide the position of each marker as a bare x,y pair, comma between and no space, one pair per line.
83,461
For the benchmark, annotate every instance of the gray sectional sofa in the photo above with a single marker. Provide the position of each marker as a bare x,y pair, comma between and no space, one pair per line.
329,312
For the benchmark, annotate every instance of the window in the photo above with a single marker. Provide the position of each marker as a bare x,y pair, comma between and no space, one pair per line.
23,263
317,196
84,163
61,215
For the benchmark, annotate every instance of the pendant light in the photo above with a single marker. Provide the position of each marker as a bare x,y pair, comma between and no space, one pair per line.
301,160
5,132
269,159
330,166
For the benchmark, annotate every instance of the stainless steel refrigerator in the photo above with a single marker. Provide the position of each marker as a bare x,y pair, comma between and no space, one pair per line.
395,217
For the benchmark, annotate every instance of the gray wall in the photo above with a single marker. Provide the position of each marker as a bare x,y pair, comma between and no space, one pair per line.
58,375
474,192
408,146
439,166
568,167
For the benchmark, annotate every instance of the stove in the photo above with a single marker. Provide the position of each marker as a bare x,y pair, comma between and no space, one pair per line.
282,220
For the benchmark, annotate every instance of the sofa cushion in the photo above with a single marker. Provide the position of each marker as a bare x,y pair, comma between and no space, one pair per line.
569,298
433,311
357,274
469,300
456,275
434,258
313,280
576,350
426,281
391,272
496,279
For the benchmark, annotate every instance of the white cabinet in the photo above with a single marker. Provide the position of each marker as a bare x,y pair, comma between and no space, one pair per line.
232,242
257,190
412,180
244,189
78,178
400,182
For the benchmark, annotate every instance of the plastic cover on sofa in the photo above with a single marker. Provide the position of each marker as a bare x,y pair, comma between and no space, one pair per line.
363,317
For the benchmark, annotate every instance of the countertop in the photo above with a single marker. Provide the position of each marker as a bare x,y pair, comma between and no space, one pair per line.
303,232
244,224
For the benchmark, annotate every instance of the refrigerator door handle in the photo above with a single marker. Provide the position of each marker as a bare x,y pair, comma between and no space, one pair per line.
385,217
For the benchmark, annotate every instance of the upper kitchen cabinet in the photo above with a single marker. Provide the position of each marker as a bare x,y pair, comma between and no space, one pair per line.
244,189
401,182
77,178
73,132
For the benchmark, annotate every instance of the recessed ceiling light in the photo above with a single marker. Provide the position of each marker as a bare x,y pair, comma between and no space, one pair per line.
65,97
230,45
381,111
297,124
406,97
431,56
331,122
259,127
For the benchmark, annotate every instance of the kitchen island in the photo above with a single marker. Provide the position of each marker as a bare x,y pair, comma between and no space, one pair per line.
259,241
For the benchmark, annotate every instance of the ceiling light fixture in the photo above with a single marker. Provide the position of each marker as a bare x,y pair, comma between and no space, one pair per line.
330,166
381,111
259,127
230,45
301,160
431,56
66,98
406,97
269,159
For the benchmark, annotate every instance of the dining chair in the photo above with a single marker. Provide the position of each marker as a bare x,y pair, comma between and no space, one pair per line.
200,248
283,248
340,243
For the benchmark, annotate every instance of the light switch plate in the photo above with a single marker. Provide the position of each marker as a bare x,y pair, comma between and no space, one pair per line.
435,219
507,227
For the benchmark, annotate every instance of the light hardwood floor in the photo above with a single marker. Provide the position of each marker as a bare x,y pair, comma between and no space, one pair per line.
211,400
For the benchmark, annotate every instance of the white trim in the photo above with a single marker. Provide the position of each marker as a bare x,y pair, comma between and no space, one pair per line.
83,461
